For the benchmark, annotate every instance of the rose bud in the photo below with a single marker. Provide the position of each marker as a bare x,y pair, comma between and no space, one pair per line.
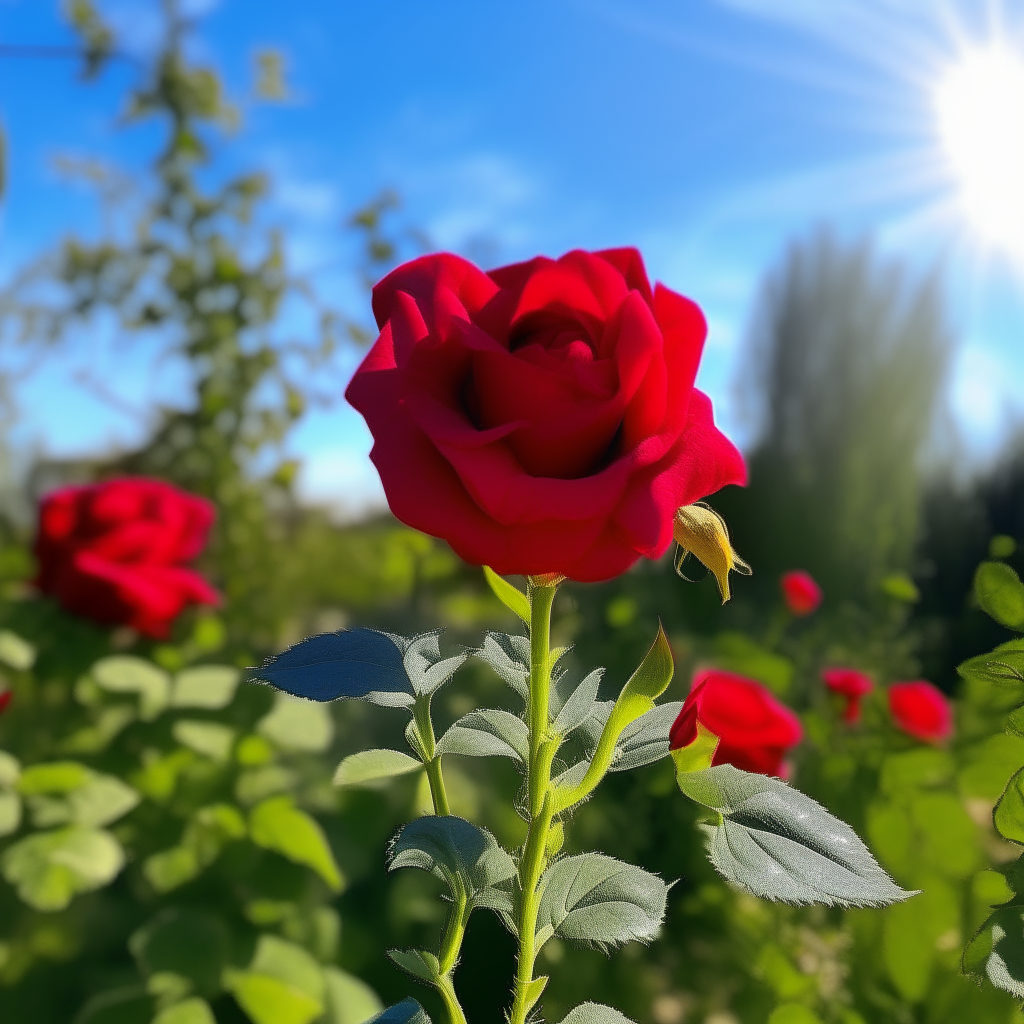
852,686
700,531
801,594
755,731
542,417
115,552
921,710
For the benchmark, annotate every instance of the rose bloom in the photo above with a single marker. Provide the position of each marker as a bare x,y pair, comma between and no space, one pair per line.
542,417
754,729
852,686
921,710
115,552
800,592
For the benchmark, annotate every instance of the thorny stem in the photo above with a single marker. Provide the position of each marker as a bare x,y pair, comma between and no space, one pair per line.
542,747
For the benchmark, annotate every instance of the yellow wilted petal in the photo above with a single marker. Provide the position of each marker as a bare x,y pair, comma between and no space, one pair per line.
700,531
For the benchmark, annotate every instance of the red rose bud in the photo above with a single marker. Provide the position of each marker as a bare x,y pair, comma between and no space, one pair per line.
115,552
755,731
801,594
541,417
921,710
852,686
5,700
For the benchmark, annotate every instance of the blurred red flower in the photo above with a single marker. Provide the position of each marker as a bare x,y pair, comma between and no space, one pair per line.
5,699
801,594
540,417
114,552
850,684
921,710
754,729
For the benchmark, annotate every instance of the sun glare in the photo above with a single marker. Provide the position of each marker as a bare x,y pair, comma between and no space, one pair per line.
979,106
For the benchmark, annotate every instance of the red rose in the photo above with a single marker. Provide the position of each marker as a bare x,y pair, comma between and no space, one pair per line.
801,594
922,710
115,552
755,731
5,700
851,685
541,418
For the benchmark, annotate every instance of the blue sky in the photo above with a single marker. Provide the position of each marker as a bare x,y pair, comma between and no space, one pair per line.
706,132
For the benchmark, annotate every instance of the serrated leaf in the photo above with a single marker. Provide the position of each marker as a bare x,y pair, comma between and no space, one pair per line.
349,999
781,845
1000,593
408,1011
373,765
211,739
425,667
595,900
295,724
464,856
595,1013
206,686
351,663
1008,816
487,732
123,673
511,597
277,824
16,652
996,951
645,740
417,962
48,869
188,1011
1002,667
509,657
577,706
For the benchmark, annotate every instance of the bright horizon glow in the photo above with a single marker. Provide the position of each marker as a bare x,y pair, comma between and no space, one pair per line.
979,107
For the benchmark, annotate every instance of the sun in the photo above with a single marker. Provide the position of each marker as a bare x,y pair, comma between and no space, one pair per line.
979,110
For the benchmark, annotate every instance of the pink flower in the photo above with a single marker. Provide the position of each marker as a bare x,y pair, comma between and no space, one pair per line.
921,710
852,686
801,594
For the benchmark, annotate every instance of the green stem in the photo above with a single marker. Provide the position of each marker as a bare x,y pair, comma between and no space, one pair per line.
542,749
446,990
425,727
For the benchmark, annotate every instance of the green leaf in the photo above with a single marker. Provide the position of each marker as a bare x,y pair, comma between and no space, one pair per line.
900,587
10,770
48,869
1000,593
509,657
53,777
123,673
208,832
277,824
283,984
16,652
211,739
295,724
206,686
1008,816
595,900
781,845
10,813
579,704
189,1011
487,733
424,665
102,800
1002,667
595,1013
996,951
511,597
646,739
349,1000
417,962
373,765
793,1013
408,1011
464,856
1001,546
910,932
187,943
